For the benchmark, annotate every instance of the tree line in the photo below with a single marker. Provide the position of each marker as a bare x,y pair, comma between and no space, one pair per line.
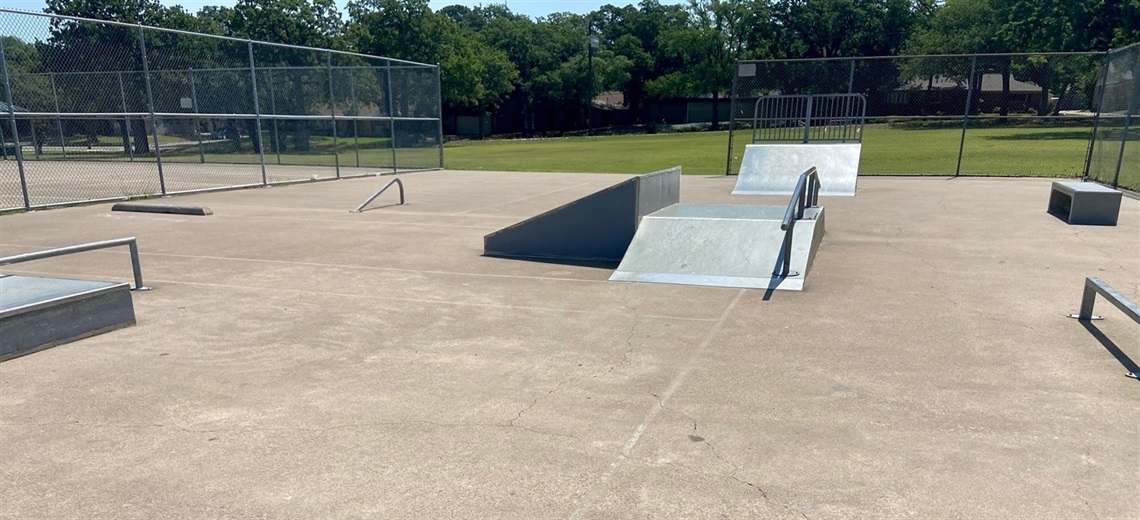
496,61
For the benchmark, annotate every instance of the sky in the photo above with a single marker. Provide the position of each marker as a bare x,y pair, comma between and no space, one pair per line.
532,8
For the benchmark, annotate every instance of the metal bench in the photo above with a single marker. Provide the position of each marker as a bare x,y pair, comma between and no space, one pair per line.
1085,203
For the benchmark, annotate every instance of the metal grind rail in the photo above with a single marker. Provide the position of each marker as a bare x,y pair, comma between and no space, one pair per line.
129,241
1094,286
805,195
395,181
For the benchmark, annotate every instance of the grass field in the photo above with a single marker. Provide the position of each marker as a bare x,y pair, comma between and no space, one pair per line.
993,151
1046,152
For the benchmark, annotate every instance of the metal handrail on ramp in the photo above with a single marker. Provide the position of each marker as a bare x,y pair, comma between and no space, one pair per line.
805,195
129,241
396,181
1094,286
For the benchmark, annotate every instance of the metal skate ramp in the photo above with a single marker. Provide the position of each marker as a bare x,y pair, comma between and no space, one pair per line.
773,169
596,228
722,245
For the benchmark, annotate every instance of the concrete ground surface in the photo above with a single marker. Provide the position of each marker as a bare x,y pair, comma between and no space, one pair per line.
295,360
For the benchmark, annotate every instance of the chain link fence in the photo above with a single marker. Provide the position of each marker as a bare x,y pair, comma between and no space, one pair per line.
99,110
986,114
1114,156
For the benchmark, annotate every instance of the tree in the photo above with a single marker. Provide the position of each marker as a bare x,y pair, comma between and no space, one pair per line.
304,88
96,49
962,27
474,76
714,37
1067,25
632,33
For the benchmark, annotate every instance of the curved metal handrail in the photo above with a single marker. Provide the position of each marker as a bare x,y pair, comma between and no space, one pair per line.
396,181
805,195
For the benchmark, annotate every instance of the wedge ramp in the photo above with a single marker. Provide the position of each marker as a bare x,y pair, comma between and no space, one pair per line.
596,228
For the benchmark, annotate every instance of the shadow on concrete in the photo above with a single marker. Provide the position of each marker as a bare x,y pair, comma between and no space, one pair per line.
599,263
1111,347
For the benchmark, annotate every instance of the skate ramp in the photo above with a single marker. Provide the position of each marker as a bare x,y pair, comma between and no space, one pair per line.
773,169
595,229
723,245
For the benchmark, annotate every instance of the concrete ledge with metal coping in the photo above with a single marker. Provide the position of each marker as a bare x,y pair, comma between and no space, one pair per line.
40,312
149,207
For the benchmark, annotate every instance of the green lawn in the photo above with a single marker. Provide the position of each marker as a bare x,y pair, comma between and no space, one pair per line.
988,151
1000,151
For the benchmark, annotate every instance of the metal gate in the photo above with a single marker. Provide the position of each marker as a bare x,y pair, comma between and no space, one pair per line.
825,118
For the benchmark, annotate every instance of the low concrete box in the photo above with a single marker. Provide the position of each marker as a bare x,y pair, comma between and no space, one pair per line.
1085,203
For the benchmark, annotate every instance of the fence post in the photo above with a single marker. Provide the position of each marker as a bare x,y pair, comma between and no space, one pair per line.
966,116
1096,117
150,108
851,77
732,118
355,114
256,112
58,121
273,110
1128,115
391,112
12,124
807,120
197,122
126,119
439,113
332,113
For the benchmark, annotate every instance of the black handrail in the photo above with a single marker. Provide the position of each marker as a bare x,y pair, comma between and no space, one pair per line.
805,195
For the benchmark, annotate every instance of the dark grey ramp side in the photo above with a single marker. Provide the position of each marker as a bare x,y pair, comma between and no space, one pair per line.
721,245
596,228
40,312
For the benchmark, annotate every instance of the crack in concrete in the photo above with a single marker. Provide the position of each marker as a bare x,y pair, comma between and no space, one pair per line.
539,398
733,465
933,271
1077,490
628,349
1103,253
